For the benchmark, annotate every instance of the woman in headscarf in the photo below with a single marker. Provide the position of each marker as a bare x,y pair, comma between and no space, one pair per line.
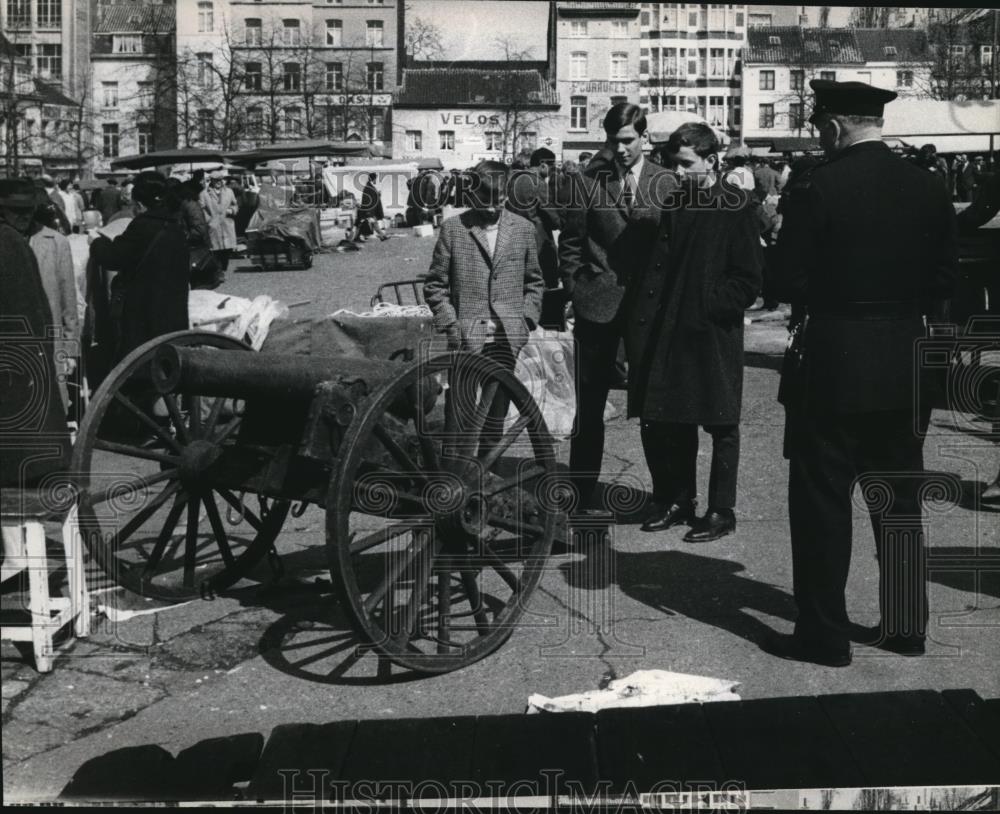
149,296
220,208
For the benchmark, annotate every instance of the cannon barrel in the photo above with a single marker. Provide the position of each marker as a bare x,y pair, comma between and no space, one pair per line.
213,372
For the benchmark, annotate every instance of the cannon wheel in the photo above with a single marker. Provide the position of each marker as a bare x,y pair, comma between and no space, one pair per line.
139,472
438,527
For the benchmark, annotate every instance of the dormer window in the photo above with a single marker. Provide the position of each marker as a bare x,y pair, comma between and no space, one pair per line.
890,50
773,40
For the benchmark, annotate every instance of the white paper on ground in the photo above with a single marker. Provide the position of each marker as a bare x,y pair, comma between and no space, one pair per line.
122,614
643,688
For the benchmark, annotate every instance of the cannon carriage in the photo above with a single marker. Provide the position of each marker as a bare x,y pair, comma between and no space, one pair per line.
440,507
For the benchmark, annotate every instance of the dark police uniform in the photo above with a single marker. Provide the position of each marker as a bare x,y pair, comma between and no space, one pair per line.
867,243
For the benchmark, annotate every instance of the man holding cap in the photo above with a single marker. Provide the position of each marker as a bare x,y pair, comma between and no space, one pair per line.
868,242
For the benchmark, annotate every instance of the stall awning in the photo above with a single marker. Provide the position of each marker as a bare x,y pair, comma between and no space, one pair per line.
303,149
952,127
783,144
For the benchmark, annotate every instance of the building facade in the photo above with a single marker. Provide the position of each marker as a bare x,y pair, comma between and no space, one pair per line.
39,125
133,95
690,60
780,62
54,35
596,66
463,115
252,73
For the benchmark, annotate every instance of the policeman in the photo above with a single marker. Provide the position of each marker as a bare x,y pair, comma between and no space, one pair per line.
866,245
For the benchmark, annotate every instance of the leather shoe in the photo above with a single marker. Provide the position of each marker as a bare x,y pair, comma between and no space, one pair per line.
901,645
788,646
715,524
663,517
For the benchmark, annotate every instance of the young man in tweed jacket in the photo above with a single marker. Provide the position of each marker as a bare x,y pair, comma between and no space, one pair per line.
485,284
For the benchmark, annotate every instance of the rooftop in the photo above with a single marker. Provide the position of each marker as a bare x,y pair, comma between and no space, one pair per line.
436,87
795,45
131,18
594,8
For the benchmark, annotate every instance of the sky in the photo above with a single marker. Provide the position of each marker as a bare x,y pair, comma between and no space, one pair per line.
469,27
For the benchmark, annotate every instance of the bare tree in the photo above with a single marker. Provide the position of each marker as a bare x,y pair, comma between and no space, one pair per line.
955,47
876,800
826,799
18,89
423,40
517,102
872,16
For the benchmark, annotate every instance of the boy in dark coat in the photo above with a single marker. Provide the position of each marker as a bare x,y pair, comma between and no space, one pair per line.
685,337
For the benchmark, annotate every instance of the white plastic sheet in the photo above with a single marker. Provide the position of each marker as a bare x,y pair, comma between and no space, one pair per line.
240,318
643,688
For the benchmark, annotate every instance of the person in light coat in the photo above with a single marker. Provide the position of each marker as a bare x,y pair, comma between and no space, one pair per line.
220,208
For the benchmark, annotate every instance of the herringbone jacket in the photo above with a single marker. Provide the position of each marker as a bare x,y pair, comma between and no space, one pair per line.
465,285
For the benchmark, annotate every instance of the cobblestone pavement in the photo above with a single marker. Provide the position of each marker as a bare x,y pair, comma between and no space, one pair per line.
275,654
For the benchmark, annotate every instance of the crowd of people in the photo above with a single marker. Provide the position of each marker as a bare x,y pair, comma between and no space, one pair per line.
663,257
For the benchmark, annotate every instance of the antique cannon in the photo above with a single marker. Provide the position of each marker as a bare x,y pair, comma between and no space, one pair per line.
439,515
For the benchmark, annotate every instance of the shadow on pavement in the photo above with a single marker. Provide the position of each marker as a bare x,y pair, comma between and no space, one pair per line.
765,360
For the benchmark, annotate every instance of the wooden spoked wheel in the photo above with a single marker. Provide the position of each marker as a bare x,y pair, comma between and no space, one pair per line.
439,519
149,512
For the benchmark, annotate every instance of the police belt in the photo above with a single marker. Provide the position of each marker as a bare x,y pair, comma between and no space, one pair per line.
873,309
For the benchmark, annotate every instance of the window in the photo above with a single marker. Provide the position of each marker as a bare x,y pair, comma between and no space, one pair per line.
144,95
644,61
716,110
293,121
644,19
50,60
126,44
717,65
255,121
578,28
692,19
494,141
253,76
737,111
578,112
904,79
578,65
670,62
702,62
109,138
797,79
206,125
889,50
692,61
985,57
291,76
619,66
334,120
292,33
831,75
378,124
206,76
334,76
335,33
759,20
373,34
50,14
528,141
110,94
795,119
619,28
414,141
766,117
18,14
206,17
739,19
670,103
254,31
375,76
767,80
773,40
446,139
717,17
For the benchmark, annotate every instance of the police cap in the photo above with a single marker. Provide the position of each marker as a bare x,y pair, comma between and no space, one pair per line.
848,98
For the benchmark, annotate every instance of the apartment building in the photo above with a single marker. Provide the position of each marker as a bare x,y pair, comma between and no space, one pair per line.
54,36
597,66
38,123
690,59
780,62
133,98
253,73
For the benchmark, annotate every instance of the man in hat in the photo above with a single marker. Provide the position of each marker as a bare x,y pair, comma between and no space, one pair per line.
867,244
